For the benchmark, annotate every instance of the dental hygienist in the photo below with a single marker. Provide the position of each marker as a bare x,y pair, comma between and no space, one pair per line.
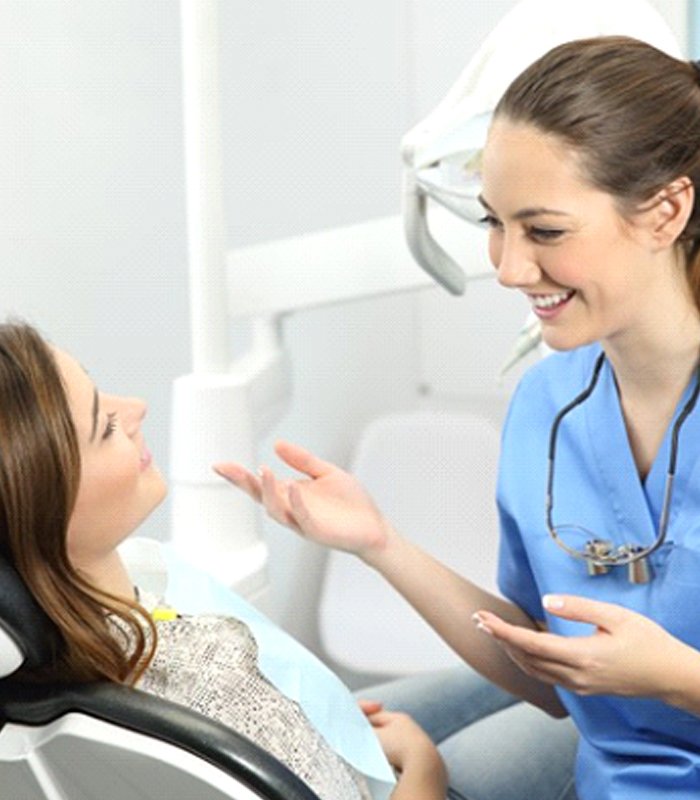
589,182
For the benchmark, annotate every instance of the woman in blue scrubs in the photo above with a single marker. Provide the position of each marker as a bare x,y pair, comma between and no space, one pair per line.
589,177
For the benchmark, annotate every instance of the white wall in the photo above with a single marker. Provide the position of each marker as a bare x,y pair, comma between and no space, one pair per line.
317,95
92,244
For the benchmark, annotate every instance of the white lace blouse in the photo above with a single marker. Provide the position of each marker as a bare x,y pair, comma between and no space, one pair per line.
210,664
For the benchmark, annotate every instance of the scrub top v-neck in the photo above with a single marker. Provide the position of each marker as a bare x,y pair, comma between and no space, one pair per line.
631,747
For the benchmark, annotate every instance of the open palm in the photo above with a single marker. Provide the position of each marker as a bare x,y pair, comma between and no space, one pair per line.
328,506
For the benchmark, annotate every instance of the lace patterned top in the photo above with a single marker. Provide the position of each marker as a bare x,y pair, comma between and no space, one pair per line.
209,663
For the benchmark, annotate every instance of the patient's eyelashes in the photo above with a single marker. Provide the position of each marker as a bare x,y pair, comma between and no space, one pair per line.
111,425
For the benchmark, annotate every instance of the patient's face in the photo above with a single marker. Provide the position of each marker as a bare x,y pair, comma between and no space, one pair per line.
119,484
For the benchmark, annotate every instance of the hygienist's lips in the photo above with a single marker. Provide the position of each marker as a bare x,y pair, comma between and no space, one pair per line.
554,307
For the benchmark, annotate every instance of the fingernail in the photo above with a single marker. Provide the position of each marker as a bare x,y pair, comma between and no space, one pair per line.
480,624
552,601
260,472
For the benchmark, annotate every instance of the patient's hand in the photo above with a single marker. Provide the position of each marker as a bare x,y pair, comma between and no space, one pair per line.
410,752
328,506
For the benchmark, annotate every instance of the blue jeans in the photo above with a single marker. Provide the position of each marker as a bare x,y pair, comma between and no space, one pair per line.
495,746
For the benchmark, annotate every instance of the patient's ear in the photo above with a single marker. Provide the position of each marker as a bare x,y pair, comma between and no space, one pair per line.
666,215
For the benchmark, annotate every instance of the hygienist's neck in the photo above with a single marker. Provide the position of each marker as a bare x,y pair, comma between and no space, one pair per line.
660,355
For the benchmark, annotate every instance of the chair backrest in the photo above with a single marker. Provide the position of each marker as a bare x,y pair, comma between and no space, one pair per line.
108,741
433,474
26,634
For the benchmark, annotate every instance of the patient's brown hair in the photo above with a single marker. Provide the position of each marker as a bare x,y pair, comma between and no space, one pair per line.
39,478
629,111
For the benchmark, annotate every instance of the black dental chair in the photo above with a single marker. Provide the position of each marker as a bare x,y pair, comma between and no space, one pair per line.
103,741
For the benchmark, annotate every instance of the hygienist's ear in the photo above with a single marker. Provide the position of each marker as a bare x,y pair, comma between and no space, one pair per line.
668,213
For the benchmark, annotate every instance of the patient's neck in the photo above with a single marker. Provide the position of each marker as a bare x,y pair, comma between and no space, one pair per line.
109,574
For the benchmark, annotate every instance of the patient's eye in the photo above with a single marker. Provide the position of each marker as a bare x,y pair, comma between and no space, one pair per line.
111,425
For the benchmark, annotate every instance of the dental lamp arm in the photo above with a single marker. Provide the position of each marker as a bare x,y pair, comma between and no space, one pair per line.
221,415
426,251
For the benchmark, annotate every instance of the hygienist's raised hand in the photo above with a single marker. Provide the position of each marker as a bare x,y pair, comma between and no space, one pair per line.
328,506
627,654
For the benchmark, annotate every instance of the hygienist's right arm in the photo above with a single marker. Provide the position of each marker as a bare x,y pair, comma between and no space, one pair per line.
330,507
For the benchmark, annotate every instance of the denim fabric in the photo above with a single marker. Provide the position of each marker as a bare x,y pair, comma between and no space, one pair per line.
495,746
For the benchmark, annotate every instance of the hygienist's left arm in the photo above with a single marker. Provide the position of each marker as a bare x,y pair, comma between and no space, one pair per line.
627,655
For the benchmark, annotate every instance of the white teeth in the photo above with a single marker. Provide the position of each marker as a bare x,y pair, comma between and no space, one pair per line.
550,300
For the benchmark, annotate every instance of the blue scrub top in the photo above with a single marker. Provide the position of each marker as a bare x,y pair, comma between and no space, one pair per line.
631,748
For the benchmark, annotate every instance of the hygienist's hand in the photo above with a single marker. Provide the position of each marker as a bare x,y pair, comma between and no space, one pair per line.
628,654
410,752
328,506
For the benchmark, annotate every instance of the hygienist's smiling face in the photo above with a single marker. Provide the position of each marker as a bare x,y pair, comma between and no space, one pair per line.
119,485
588,273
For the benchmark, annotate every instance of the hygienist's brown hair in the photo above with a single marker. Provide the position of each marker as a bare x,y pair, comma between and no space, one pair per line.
630,112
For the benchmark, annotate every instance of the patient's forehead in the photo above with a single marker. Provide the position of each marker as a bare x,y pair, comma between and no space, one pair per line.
68,366
79,388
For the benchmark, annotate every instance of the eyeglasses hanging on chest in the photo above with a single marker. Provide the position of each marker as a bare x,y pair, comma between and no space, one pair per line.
601,555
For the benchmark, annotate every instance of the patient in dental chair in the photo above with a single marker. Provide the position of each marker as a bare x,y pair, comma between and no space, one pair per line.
75,480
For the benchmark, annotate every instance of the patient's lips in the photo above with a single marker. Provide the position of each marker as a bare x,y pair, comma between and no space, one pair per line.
146,458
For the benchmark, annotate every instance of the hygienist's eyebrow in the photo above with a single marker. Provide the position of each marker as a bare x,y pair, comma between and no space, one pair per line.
95,414
526,213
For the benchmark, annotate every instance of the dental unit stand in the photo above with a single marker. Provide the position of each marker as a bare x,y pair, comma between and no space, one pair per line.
223,407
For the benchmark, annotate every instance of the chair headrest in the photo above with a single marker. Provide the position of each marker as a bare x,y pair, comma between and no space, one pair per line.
27,636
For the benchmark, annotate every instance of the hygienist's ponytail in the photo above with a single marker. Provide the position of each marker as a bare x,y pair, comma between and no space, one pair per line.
629,111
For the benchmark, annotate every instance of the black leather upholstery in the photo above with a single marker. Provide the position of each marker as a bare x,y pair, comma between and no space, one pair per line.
40,704
169,722
24,620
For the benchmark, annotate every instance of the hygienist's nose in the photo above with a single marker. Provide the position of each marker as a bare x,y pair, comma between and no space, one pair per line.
514,262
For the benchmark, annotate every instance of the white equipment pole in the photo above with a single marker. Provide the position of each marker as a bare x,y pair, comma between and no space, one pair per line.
220,409
203,174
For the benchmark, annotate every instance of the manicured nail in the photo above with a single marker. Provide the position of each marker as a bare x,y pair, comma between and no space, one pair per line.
552,602
480,624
